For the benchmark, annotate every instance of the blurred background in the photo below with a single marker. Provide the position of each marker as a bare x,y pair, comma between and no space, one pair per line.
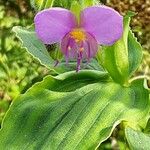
18,70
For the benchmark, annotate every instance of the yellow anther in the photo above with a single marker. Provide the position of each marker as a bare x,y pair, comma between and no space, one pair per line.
81,49
78,35
77,41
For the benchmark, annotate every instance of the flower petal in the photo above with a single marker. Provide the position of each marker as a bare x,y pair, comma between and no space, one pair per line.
52,24
90,47
103,22
70,48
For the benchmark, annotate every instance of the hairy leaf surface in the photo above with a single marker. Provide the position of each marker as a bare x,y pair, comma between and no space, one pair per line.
137,140
34,46
71,111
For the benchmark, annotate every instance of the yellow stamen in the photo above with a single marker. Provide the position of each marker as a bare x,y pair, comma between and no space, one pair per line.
81,49
78,35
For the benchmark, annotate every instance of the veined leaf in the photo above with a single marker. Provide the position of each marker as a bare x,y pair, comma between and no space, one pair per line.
135,53
137,140
71,111
34,46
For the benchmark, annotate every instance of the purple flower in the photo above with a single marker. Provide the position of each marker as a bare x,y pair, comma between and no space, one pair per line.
98,25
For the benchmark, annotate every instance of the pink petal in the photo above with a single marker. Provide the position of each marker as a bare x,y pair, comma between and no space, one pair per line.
70,48
103,22
52,24
90,46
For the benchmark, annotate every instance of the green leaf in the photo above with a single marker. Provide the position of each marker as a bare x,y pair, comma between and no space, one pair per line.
41,4
76,9
147,129
135,53
71,111
115,58
93,65
78,6
63,3
55,52
34,46
137,140
49,3
88,3
123,58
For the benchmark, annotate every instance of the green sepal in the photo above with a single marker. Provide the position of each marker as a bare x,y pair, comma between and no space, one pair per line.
123,58
115,58
76,9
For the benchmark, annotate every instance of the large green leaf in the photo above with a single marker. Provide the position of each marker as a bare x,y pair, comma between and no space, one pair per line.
137,140
71,111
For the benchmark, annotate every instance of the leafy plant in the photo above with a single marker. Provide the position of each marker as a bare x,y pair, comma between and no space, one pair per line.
16,75
80,110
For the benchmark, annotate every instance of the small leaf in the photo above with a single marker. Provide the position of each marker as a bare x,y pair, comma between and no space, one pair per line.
41,4
147,129
34,46
55,52
115,58
137,140
76,9
88,3
62,3
135,53
123,58
49,3
131,13
72,111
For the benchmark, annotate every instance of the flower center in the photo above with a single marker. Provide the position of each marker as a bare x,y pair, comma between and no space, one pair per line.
78,35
